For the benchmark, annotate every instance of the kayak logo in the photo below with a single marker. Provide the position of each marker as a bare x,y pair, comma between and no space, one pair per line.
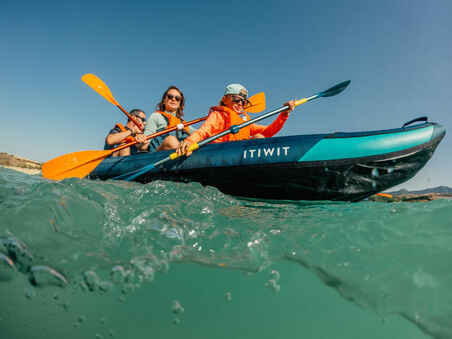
265,152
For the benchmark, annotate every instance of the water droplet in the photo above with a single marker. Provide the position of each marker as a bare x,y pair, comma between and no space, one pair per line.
91,280
176,253
228,296
30,293
105,286
118,274
5,260
275,274
206,210
272,283
81,319
18,252
177,307
44,275
7,268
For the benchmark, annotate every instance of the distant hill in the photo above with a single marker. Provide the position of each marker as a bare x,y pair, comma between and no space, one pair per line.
15,161
19,164
439,190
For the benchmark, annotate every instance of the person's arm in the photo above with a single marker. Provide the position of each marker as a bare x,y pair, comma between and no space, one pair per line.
275,126
117,138
214,124
272,129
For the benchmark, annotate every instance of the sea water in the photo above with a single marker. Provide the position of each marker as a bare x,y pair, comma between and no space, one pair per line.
93,259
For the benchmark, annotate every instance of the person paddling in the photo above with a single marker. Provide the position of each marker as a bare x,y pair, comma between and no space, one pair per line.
169,113
231,112
121,134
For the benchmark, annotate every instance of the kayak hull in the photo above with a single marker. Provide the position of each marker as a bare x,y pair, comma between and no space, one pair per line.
337,166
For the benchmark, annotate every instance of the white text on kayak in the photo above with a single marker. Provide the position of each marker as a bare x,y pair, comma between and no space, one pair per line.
266,152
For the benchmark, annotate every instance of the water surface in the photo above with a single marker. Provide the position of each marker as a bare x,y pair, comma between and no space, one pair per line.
90,259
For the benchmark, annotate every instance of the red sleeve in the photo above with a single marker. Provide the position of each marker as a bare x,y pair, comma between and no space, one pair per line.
214,124
272,129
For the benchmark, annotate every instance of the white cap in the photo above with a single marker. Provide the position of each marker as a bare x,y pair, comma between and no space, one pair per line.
236,89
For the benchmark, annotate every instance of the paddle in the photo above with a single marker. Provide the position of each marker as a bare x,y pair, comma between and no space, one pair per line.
100,87
80,164
256,102
234,129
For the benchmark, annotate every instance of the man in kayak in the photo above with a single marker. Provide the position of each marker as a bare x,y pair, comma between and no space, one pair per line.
119,135
169,113
230,112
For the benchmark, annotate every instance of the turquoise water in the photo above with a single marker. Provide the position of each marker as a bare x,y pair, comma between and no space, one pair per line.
87,259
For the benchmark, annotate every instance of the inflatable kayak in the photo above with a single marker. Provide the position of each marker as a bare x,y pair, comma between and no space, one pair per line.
336,166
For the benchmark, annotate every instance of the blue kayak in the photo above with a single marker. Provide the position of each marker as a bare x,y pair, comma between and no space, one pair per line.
336,166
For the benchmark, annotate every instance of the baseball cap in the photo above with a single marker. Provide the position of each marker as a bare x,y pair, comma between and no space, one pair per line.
236,89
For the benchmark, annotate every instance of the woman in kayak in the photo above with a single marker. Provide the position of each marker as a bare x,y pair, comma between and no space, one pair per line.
121,134
230,112
169,114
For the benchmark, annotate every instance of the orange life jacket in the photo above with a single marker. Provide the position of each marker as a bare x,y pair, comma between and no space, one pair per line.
233,118
174,121
123,129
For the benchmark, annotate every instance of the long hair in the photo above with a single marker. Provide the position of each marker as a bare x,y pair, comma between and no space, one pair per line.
180,110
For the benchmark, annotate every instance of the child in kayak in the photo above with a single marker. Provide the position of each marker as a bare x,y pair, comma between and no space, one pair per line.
230,112
169,113
119,135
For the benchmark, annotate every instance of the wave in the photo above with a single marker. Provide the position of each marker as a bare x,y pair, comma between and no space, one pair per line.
115,237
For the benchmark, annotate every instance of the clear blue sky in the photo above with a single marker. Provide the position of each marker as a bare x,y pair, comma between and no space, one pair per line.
398,55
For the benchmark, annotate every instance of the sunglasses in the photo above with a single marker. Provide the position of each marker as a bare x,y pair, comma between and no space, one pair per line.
143,120
238,100
175,97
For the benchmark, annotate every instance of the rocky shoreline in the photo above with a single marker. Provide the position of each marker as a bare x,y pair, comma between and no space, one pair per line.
20,164
409,197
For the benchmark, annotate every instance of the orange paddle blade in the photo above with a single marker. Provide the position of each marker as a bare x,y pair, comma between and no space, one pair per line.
73,165
100,87
257,103
386,195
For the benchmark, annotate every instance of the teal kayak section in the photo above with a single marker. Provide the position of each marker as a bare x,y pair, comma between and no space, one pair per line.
364,146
